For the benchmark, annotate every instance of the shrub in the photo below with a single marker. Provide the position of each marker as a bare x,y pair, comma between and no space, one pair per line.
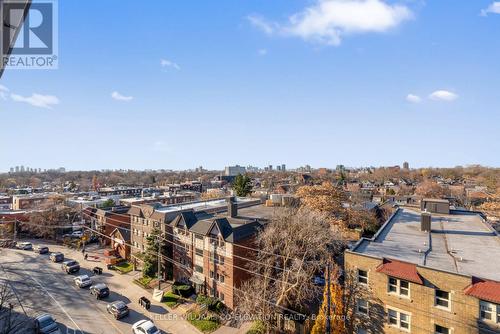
182,290
258,327
213,304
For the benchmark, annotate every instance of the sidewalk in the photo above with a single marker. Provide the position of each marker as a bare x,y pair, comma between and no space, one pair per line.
165,318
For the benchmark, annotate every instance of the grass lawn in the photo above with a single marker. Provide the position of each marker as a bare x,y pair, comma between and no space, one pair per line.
124,267
170,299
144,281
204,325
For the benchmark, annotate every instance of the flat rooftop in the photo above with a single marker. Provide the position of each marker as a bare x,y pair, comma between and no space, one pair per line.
204,205
459,242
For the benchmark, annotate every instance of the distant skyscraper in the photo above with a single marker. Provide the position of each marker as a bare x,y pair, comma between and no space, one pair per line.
283,167
406,165
22,169
234,170
12,169
270,167
17,169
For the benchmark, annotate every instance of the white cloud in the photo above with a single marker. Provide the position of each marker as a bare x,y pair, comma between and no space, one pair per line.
413,98
262,52
328,21
119,97
262,24
37,100
168,63
3,92
494,8
443,95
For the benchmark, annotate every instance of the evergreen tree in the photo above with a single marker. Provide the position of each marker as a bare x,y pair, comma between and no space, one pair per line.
150,266
242,185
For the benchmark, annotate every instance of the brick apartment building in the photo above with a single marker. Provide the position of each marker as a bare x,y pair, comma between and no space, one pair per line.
428,272
146,217
27,202
211,251
107,220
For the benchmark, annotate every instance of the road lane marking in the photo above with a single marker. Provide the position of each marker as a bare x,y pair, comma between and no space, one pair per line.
55,300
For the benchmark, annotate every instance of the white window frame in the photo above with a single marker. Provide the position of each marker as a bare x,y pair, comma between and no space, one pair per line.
363,277
359,309
398,287
398,319
495,312
437,298
436,332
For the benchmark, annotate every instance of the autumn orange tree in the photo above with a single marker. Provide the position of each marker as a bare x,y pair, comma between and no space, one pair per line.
325,198
337,323
430,189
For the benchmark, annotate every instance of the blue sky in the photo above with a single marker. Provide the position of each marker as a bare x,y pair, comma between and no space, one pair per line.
179,84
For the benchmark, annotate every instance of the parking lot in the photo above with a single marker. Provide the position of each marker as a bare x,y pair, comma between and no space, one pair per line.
43,287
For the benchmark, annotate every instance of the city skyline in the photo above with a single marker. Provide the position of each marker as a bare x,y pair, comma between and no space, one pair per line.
260,83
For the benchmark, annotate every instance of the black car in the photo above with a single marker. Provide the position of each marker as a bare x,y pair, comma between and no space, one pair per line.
99,291
70,266
42,249
118,309
45,324
57,257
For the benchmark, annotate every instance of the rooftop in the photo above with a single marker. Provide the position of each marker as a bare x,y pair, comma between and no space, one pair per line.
459,242
203,205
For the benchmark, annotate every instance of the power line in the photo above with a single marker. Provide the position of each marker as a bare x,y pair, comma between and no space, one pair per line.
184,245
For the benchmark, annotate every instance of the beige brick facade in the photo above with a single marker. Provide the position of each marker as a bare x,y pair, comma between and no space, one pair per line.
462,316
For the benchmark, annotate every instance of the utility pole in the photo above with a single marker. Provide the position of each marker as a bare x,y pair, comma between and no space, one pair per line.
15,229
328,300
159,262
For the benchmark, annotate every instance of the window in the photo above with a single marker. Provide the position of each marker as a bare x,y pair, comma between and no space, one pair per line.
221,296
399,287
361,331
442,299
362,306
362,276
199,252
199,237
441,330
211,274
398,319
220,277
489,311
198,269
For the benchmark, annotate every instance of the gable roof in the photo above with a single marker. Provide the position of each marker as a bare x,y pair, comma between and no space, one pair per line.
484,289
401,270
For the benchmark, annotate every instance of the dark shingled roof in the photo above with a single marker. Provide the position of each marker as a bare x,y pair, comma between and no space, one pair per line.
125,233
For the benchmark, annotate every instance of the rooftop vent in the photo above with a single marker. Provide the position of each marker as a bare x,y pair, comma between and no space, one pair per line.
425,222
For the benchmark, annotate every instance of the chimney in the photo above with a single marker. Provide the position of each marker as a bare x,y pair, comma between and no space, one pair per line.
425,222
232,207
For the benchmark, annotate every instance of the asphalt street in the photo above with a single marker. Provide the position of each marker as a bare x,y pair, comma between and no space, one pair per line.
43,287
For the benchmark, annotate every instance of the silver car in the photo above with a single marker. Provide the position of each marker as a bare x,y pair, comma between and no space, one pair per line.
83,281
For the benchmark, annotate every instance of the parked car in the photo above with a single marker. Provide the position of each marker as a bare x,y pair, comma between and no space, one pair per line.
99,291
70,266
74,235
118,309
24,245
145,327
46,324
41,249
83,281
56,257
